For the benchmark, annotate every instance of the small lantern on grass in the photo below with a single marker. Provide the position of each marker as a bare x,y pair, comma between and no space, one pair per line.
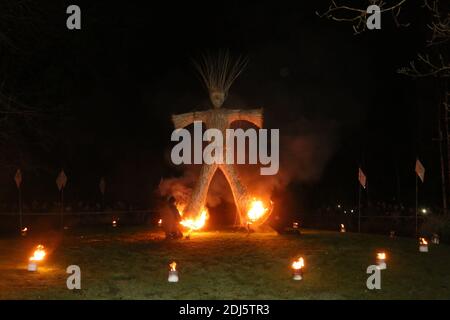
392,234
114,223
381,260
173,273
160,223
24,231
342,228
423,245
435,238
297,269
295,225
38,256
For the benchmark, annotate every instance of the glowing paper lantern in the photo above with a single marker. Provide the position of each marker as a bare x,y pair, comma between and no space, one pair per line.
381,260
24,231
297,268
173,273
38,256
423,245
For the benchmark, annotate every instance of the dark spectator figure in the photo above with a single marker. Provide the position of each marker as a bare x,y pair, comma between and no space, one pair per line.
170,220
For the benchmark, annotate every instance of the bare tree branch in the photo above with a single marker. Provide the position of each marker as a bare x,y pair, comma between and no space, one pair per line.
358,16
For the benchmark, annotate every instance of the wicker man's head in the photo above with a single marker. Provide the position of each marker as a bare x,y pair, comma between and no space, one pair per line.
218,73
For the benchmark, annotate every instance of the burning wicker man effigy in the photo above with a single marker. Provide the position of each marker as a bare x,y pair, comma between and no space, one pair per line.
218,74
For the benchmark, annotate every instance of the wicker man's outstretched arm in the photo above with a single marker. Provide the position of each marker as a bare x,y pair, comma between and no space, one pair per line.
185,119
254,116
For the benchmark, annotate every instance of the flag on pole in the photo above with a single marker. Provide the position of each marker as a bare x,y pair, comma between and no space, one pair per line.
102,185
18,178
420,170
362,178
61,180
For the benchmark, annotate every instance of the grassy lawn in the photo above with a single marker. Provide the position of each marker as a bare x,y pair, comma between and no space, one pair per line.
132,263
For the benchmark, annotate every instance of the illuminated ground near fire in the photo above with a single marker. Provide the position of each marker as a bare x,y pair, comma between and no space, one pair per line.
129,263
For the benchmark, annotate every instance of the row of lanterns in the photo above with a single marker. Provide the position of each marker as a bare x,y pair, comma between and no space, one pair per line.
297,266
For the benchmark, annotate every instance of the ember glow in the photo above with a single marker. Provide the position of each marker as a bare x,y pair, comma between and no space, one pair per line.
38,254
257,210
298,264
423,242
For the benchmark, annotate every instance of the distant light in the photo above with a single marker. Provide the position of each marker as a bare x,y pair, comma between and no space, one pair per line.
351,211
339,206
424,211
24,231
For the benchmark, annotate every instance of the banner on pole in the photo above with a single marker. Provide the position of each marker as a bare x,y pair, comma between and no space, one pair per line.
362,178
61,180
18,178
420,170
102,185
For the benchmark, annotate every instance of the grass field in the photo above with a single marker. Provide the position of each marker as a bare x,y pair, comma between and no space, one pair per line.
132,263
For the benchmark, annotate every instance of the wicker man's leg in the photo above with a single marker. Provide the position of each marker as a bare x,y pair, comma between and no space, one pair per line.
198,197
240,194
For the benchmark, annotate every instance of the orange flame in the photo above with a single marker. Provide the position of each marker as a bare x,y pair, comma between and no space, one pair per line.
257,210
381,256
173,266
422,241
298,264
38,254
196,223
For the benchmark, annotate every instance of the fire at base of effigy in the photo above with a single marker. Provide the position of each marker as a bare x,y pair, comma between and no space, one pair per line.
258,213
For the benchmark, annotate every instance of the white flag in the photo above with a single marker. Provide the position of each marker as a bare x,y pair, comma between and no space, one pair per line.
420,170
362,178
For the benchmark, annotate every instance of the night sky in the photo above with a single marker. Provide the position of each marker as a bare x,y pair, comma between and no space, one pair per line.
106,93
